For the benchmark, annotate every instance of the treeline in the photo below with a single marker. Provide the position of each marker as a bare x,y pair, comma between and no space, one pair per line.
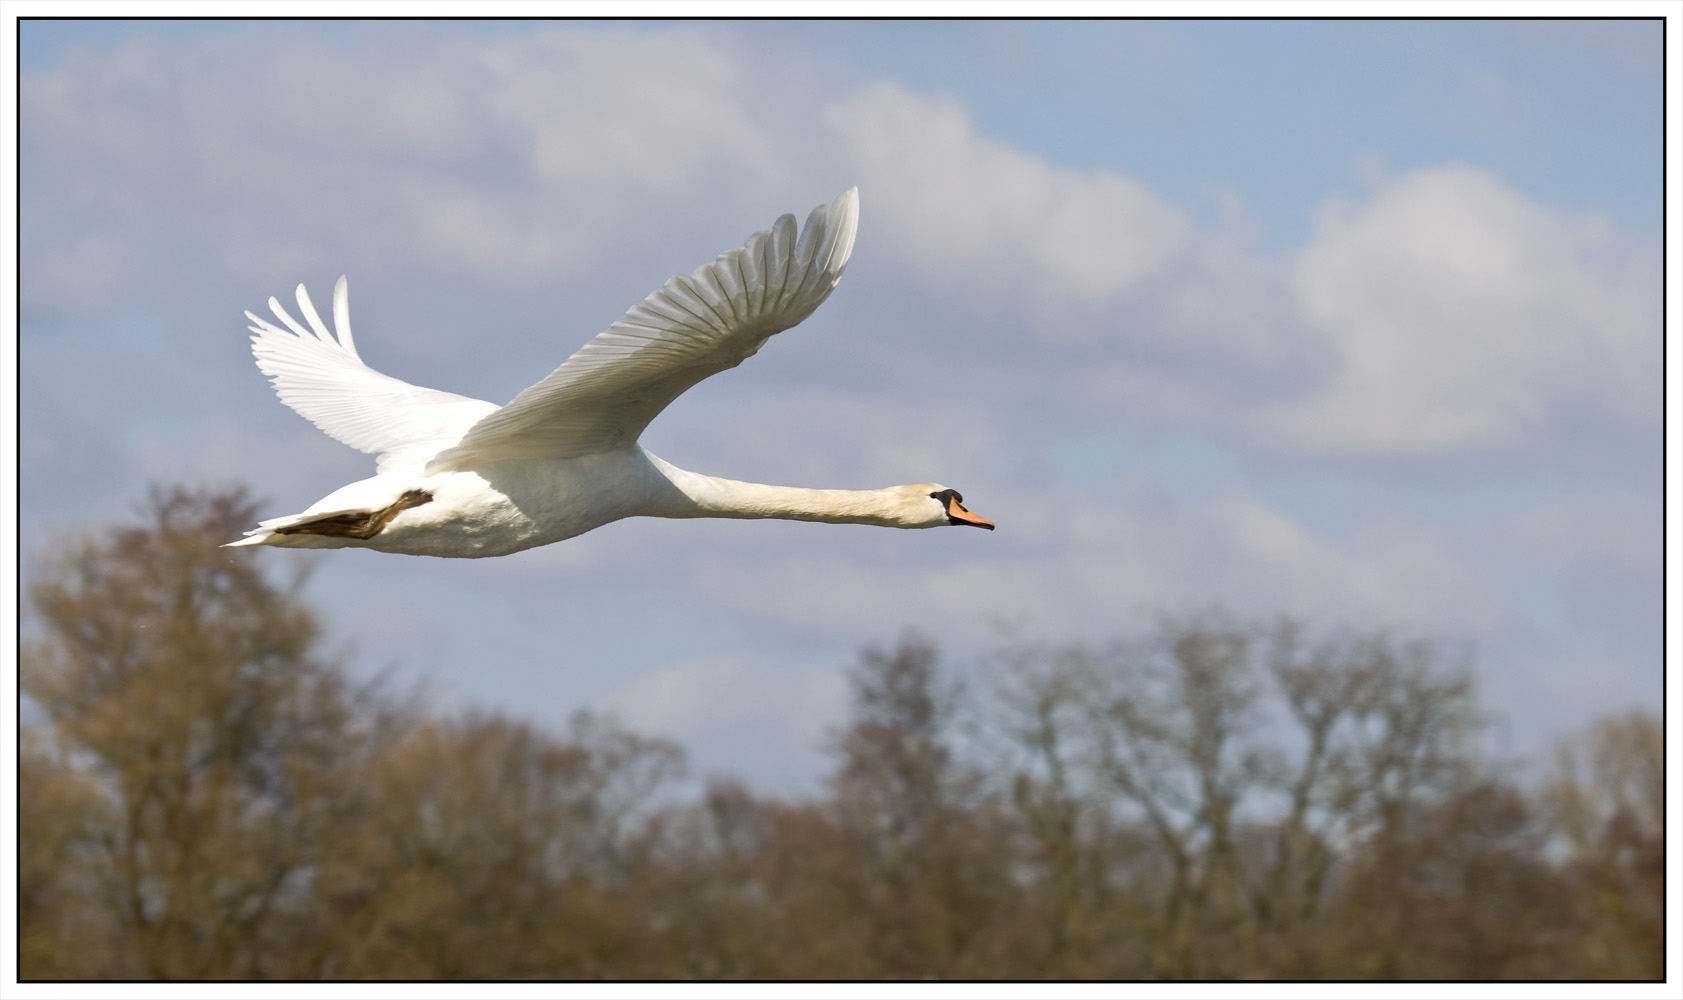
204,796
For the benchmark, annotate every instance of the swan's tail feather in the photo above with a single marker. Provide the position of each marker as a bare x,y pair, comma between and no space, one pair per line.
256,536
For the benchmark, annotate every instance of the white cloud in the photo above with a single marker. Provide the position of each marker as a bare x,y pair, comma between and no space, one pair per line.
1387,570
1464,315
622,110
990,221
511,159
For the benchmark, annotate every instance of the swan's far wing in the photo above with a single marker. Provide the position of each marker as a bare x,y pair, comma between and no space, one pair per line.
325,380
694,326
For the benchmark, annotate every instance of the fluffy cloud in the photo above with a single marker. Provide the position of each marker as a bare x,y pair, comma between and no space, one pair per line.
511,159
985,219
1464,315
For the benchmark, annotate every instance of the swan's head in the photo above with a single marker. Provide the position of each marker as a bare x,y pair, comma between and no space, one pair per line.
930,505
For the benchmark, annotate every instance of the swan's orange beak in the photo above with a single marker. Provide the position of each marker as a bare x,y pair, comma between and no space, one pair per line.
960,515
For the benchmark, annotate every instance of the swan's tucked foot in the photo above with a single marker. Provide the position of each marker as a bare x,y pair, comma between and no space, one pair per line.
358,524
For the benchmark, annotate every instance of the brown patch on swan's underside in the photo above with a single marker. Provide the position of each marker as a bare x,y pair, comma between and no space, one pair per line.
360,524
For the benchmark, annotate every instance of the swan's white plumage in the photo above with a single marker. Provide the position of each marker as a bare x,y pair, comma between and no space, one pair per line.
324,379
463,477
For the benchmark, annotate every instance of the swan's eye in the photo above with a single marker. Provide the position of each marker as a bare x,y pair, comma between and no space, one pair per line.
946,496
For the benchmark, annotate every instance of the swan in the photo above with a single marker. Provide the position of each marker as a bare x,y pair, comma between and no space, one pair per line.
462,477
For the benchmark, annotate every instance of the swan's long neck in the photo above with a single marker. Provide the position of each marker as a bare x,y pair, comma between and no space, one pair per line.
711,496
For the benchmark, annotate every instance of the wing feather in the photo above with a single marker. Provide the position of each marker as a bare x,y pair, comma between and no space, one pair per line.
324,379
694,326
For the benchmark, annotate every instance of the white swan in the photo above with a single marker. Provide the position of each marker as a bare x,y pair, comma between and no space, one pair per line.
463,477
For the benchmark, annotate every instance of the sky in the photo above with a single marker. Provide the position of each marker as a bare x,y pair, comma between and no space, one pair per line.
1355,321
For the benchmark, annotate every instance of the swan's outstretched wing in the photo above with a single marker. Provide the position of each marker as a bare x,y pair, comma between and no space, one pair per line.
695,326
324,379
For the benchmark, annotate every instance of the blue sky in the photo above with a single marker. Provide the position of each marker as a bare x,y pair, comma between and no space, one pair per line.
1358,321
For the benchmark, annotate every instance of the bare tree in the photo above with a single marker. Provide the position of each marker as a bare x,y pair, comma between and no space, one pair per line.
921,866
185,698
489,849
1202,781
1605,799
64,928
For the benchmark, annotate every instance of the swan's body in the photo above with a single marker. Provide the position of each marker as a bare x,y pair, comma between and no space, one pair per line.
463,477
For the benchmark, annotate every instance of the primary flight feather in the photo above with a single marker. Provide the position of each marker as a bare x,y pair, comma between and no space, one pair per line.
462,477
